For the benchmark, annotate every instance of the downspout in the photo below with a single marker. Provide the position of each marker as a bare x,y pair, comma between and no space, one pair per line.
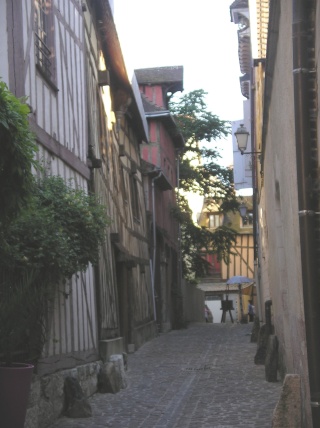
154,242
306,203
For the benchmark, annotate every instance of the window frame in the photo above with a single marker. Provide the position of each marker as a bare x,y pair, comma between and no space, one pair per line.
44,41
134,190
249,223
217,222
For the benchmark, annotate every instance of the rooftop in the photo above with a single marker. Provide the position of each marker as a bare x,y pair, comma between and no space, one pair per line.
170,76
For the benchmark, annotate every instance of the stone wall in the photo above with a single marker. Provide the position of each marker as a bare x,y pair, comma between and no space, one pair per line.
47,400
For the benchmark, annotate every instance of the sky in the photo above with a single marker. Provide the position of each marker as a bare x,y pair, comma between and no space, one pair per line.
197,35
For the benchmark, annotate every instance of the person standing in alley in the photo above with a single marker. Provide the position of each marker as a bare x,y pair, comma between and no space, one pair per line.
206,313
250,311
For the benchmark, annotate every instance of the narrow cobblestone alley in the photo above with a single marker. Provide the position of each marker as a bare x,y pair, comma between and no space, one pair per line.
200,377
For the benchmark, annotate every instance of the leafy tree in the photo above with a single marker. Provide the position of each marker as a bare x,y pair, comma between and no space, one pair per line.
201,173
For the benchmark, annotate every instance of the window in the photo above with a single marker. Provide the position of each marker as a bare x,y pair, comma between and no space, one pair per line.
102,128
122,184
214,220
134,197
247,221
44,38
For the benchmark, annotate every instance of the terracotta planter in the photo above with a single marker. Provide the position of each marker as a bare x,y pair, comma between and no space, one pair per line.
15,382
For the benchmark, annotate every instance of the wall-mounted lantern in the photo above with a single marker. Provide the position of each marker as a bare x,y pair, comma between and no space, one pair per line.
242,136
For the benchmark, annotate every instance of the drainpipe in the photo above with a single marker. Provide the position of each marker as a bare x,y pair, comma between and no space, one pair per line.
153,271
311,289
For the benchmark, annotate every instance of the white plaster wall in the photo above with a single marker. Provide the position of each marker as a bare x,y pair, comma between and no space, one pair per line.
4,68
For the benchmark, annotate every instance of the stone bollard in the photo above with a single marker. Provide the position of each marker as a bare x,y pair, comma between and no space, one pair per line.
264,332
77,406
287,413
263,337
112,375
255,330
118,362
271,362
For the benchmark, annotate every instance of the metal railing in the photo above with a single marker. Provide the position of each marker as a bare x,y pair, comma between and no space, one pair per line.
43,54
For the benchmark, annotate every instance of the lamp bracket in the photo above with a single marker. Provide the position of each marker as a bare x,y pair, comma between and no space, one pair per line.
251,153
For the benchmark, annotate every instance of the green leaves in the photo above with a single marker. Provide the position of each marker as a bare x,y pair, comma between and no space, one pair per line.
201,174
200,171
17,150
195,121
49,230
21,306
197,241
55,236
58,234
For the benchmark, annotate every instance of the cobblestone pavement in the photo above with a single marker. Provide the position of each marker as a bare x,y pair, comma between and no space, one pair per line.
200,377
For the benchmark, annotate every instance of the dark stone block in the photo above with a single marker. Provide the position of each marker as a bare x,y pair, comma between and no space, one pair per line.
76,404
264,333
109,379
255,330
271,361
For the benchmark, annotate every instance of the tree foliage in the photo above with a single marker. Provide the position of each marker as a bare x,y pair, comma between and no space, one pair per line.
196,241
201,173
55,236
17,150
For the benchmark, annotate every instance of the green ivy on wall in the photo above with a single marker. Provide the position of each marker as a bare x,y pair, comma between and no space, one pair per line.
17,151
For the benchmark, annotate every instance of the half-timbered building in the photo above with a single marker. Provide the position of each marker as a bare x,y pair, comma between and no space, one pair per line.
65,57
44,60
116,129
160,181
240,263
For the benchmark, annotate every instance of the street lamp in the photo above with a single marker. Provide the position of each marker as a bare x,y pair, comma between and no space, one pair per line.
243,209
242,136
